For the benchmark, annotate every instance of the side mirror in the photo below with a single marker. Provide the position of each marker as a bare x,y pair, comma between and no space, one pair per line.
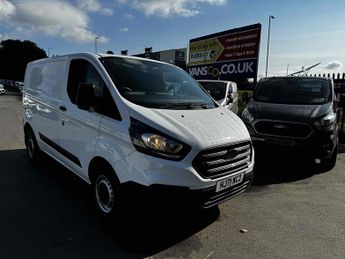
229,99
85,96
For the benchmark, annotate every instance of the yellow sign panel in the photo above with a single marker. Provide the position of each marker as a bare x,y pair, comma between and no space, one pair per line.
204,51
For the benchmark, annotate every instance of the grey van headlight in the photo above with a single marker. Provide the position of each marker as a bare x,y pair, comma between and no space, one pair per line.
247,116
152,142
326,121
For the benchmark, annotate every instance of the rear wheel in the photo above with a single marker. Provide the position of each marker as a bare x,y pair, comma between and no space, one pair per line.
106,193
31,145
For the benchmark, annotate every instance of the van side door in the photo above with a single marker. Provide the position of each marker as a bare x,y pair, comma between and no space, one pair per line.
42,100
79,129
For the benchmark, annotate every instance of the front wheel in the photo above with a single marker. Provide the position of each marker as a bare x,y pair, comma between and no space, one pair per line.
106,194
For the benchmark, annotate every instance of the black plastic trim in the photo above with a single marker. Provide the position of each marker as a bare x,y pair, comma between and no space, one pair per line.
59,149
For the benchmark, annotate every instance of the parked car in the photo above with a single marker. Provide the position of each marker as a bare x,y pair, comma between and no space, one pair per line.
2,89
20,86
295,112
224,92
113,121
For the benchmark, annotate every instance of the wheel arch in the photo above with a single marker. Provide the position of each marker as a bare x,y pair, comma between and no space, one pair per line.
100,163
27,127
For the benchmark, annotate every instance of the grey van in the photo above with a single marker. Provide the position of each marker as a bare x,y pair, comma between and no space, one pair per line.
295,112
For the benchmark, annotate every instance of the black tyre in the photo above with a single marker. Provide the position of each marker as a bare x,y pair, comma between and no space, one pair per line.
32,148
329,163
106,191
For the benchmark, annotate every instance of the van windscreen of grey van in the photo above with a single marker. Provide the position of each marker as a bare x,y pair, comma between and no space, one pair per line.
156,85
294,90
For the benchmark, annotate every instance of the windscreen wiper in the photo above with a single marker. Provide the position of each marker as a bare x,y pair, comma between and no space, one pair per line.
188,105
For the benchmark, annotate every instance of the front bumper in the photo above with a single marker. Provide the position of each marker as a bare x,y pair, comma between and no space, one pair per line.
320,143
183,196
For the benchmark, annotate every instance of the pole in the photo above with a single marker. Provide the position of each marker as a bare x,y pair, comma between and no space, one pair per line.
96,44
287,69
268,40
49,51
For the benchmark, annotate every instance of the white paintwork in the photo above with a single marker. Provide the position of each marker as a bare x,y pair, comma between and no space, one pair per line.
231,90
2,89
87,134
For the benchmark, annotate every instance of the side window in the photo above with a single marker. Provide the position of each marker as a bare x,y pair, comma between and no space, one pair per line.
81,71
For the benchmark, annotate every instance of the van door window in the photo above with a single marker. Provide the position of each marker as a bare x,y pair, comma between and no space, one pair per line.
81,71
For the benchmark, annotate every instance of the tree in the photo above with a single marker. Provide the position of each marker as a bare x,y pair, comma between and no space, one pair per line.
15,55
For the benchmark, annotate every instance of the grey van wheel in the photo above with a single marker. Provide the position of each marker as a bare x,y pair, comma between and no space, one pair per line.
106,194
31,145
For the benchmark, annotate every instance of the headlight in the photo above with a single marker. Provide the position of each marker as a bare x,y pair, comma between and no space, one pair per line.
326,121
161,144
155,143
247,116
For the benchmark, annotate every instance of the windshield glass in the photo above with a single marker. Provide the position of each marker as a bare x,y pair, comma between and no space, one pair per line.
215,89
156,85
294,90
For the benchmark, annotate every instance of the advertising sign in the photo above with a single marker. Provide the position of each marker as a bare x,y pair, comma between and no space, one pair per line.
226,55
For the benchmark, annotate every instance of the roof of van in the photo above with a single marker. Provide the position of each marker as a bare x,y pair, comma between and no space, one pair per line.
295,77
95,56
212,80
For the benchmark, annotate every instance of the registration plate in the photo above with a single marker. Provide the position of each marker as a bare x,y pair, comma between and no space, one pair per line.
230,181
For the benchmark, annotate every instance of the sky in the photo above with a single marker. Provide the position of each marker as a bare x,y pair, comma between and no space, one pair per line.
303,32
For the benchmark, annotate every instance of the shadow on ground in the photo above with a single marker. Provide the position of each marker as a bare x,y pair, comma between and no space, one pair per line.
273,166
47,210
341,148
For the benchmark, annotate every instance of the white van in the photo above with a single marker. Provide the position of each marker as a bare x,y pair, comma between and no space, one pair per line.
112,120
224,92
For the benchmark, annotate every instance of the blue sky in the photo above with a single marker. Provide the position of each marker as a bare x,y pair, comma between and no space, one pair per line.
304,32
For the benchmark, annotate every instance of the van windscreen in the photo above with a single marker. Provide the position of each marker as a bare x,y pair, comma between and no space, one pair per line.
294,90
156,85
216,89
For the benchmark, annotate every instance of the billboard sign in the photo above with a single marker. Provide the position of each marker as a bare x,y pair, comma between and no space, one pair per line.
226,55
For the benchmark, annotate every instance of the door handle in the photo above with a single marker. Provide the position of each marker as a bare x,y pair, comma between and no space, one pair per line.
63,108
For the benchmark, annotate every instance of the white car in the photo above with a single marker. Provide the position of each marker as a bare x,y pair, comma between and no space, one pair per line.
224,92
112,121
2,89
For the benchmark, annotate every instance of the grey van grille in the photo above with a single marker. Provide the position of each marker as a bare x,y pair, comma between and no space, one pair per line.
219,161
282,128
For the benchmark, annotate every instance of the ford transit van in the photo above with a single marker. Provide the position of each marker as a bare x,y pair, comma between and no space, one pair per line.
116,120
298,113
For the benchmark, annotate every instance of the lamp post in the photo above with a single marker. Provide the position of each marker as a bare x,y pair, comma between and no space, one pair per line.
49,51
268,40
96,38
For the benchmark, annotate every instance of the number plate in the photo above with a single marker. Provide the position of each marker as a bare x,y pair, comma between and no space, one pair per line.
230,181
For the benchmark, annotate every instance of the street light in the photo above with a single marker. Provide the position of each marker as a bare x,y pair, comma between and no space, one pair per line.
49,51
268,40
96,38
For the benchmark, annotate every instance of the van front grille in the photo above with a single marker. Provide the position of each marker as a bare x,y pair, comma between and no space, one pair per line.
281,128
219,161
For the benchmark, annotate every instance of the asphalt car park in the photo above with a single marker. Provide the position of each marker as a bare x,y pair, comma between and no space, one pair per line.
293,210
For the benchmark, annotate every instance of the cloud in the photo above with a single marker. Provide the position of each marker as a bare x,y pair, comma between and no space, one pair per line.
56,18
128,16
124,29
168,8
94,6
6,9
334,65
